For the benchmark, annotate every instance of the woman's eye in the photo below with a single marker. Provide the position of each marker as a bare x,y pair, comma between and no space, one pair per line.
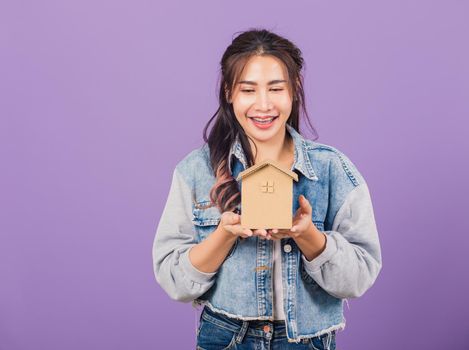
278,89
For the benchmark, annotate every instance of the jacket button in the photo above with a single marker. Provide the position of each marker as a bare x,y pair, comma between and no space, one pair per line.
287,248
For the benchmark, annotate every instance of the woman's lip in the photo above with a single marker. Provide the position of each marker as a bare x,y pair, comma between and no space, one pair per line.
264,117
263,126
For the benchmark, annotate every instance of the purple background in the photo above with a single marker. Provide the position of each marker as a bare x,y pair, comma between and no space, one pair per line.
100,99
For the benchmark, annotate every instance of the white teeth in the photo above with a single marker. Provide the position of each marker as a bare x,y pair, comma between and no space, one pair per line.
264,121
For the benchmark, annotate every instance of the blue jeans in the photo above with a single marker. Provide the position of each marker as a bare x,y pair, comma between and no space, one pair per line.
219,332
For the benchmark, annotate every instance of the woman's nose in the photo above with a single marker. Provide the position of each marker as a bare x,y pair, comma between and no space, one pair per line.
263,101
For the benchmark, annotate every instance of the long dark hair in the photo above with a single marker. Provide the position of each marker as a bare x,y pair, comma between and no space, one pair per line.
225,193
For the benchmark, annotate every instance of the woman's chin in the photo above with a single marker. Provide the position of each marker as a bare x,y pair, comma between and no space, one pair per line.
262,135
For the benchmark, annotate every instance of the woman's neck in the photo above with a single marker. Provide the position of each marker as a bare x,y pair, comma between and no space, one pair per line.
280,150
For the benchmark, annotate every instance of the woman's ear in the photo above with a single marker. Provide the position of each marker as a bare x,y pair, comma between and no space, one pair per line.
227,94
298,85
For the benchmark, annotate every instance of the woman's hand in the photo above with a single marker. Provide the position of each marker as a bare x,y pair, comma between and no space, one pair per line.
231,222
302,223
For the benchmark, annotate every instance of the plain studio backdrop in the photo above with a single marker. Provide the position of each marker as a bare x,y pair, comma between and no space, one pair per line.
99,100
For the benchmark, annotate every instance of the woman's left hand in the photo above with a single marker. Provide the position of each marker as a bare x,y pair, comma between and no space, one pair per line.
302,224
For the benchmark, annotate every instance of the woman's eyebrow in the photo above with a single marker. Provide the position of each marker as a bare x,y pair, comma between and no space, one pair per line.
272,82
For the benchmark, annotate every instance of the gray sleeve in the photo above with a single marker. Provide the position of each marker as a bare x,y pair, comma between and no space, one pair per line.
175,235
351,261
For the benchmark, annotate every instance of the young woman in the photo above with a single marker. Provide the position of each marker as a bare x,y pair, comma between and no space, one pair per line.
265,288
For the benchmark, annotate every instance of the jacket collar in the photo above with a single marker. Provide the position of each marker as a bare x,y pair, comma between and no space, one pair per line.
301,163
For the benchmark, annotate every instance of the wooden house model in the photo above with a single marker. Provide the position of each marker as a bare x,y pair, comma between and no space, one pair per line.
267,196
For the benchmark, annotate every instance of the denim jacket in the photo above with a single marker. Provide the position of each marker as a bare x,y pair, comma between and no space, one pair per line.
314,291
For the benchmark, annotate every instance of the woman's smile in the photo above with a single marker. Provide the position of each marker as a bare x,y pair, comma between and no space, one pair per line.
263,122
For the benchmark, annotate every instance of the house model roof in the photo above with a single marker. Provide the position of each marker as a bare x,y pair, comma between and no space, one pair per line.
266,162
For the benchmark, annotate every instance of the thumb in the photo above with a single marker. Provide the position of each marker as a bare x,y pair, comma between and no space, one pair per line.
305,205
232,218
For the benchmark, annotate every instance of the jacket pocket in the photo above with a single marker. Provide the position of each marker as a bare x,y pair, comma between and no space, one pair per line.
206,220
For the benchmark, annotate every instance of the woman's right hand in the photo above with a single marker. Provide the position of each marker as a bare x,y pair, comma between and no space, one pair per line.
231,222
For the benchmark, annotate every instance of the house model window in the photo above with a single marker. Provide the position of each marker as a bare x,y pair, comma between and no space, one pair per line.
267,186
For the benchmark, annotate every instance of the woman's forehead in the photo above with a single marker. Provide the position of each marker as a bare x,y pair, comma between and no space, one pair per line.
263,69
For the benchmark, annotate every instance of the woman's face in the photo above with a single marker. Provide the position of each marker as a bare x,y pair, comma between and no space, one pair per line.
261,99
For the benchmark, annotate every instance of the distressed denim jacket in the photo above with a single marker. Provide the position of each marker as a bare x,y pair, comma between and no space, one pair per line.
313,291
